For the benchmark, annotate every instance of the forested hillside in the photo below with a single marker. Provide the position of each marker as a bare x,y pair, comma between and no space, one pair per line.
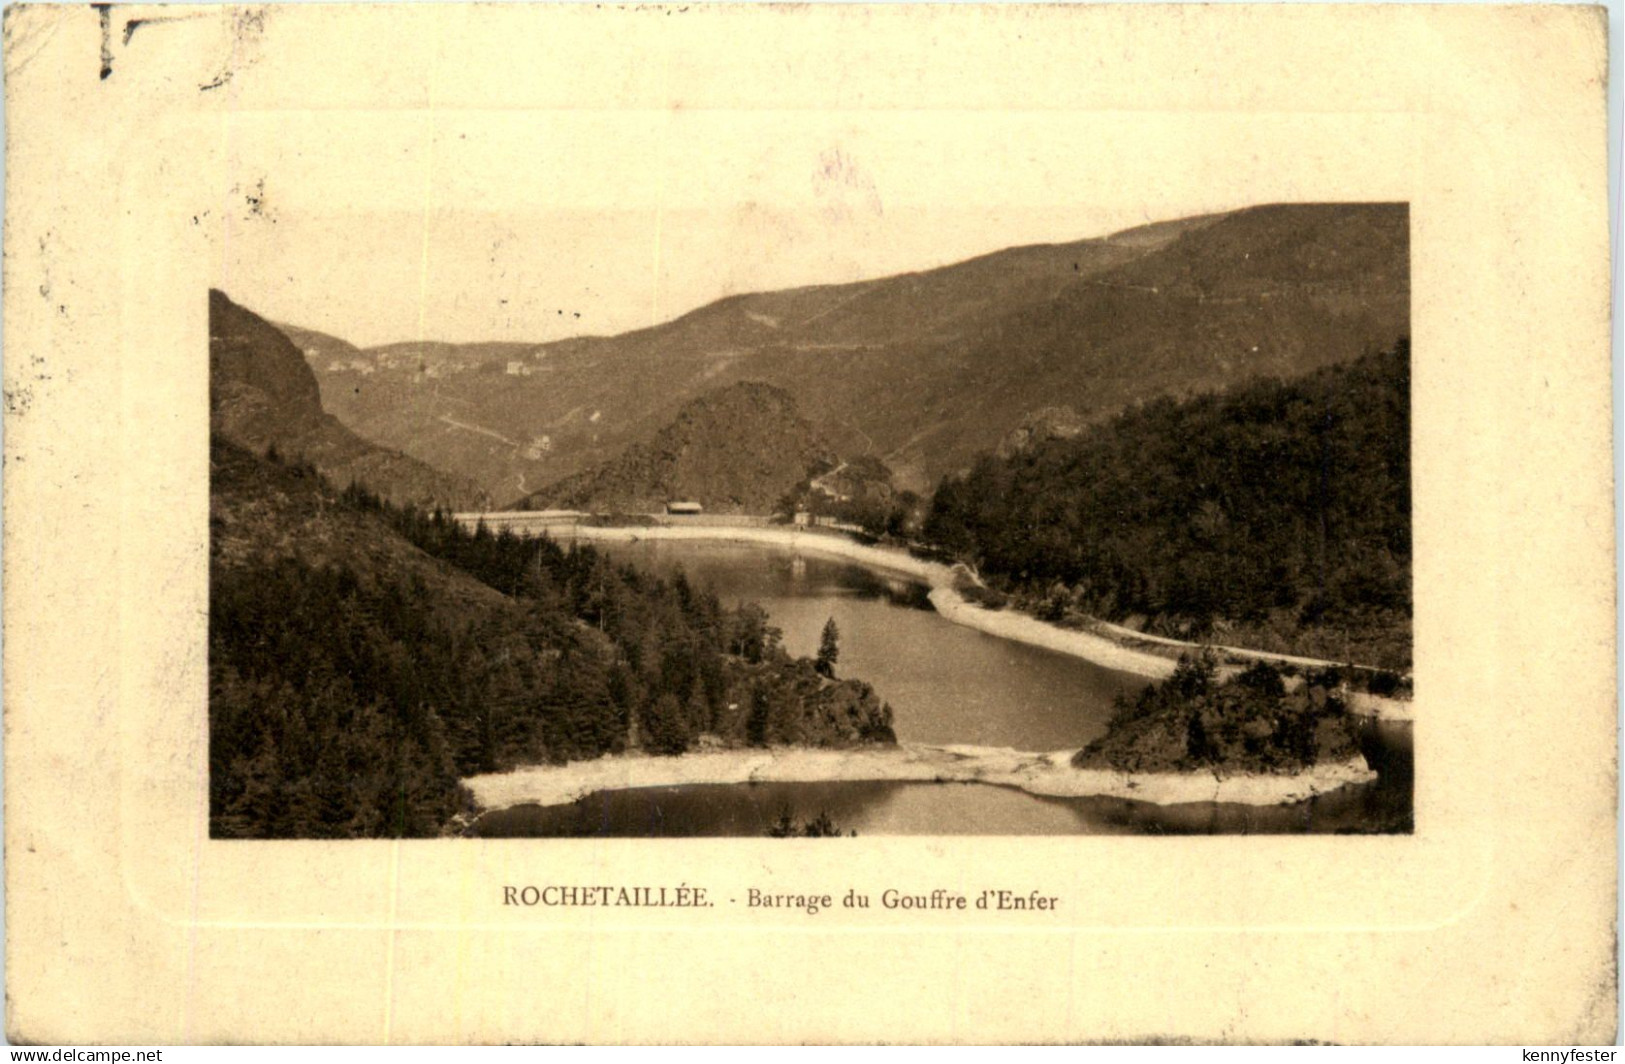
1249,723
921,370
1275,515
363,657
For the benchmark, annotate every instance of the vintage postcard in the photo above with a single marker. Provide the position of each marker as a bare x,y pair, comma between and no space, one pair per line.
536,523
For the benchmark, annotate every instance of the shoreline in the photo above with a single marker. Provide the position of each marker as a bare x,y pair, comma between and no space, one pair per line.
1048,775
1011,624
934,574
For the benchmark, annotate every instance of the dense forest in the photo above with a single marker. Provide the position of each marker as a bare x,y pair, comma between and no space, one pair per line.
364,656
1258,721
1275,514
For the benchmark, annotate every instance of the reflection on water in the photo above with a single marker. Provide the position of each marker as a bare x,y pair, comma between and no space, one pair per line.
884,808
947,685
749,809
1380,807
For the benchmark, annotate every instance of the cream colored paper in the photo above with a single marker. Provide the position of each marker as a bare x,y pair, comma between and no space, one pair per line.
126,923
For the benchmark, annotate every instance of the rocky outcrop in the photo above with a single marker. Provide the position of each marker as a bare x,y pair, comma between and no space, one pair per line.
263,395
738,449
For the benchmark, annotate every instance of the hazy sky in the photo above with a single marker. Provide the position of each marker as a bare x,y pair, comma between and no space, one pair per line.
534,225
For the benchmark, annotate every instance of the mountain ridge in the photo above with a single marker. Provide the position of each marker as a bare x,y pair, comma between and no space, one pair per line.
922,369
736,449
263,395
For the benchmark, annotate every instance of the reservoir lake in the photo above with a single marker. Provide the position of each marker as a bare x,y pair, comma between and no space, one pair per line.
947,685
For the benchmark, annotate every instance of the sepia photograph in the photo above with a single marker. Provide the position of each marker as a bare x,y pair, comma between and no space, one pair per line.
1106,534
818,523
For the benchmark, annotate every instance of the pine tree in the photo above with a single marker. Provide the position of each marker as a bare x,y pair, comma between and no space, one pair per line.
829,650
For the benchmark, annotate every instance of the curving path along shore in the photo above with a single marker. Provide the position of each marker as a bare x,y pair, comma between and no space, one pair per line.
1006,624
1049,774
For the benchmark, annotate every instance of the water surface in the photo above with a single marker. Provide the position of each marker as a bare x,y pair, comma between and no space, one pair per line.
946,684
893,808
